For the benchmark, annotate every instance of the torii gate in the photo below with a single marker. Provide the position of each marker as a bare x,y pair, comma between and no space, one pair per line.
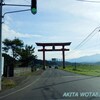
63,49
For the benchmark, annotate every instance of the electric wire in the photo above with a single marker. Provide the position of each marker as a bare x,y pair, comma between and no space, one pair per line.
91,35
87,38
83,42
89,1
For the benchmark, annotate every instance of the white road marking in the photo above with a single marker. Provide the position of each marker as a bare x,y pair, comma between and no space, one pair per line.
19,89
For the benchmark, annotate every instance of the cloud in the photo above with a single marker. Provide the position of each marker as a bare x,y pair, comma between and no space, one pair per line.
80,53
86,10
56,21
89,11
82,9
10,33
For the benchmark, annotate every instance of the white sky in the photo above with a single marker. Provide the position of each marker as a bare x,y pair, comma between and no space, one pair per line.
55,21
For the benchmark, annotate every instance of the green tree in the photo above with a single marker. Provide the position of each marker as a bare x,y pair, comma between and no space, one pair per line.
12,45
26,55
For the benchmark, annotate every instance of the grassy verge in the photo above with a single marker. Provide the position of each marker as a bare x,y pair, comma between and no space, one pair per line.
90,70
8,83
11,82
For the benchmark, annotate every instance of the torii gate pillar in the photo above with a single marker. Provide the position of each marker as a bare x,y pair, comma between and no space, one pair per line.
44,58
63,54
63,49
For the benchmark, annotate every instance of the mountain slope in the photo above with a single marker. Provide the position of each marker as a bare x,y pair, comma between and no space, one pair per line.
92,58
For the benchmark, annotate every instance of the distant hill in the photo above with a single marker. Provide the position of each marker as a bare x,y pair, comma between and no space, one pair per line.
89,59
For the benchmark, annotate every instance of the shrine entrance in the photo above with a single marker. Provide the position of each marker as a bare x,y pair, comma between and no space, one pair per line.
53,45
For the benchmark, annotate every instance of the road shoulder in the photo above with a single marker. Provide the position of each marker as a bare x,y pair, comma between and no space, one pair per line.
24,83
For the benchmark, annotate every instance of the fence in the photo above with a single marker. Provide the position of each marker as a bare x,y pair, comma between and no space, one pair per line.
21,71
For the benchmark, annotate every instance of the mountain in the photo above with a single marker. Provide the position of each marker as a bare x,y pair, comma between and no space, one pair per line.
88,59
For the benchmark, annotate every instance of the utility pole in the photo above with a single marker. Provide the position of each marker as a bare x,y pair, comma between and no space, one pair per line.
0,41
1,4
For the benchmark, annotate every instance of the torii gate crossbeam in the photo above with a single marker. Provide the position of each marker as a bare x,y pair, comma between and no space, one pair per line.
63,49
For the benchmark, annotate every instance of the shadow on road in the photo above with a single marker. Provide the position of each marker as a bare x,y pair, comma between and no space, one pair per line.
46,86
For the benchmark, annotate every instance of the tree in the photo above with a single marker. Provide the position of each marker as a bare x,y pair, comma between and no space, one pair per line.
26,55
23,54
12,45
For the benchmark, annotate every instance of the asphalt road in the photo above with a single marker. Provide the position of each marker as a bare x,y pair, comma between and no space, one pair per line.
56,84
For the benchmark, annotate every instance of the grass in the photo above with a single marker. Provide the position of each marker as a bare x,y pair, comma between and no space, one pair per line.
11,82
90,70
8,83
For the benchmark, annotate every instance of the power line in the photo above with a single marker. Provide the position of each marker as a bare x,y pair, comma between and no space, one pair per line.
86,39
89,1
